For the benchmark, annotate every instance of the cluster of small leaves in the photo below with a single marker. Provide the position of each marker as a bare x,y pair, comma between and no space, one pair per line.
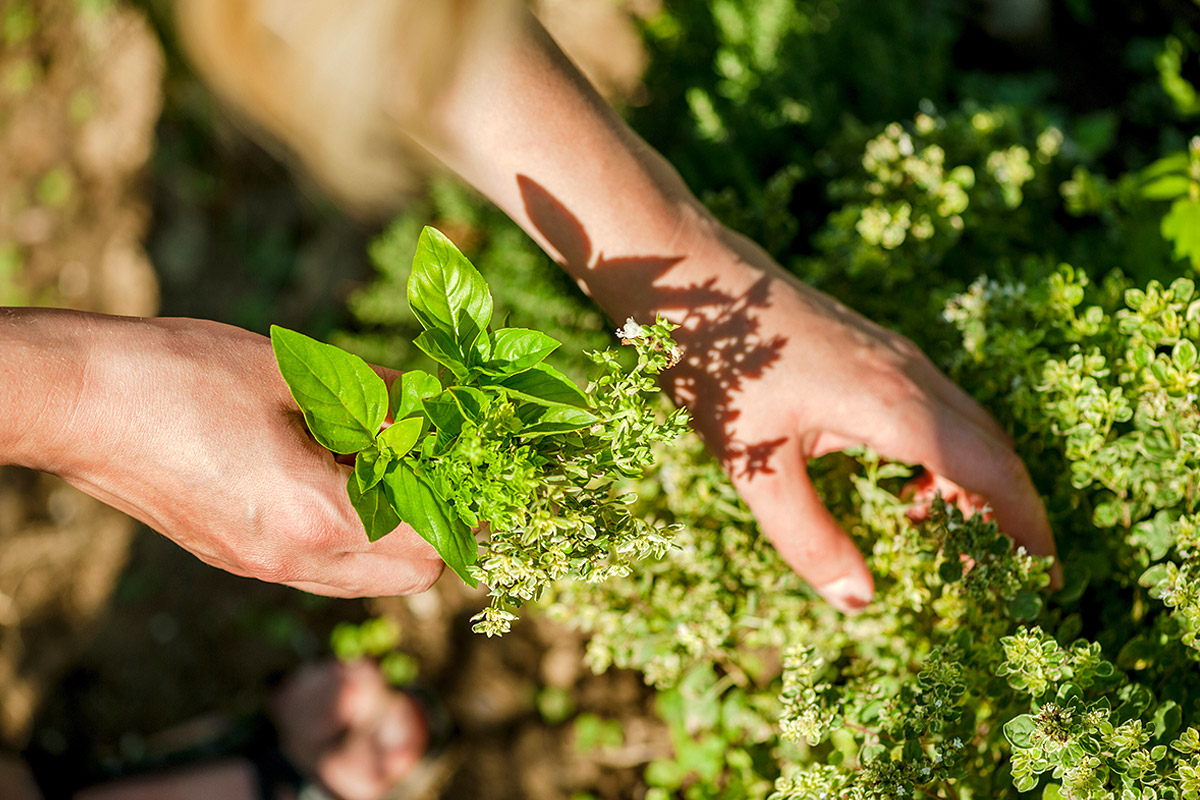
1093,373
499,436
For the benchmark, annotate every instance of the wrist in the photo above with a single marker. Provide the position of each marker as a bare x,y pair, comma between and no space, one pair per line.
43,364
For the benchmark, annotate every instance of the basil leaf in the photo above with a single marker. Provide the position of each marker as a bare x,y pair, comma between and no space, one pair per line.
408,392
420,507
541,384
369,466
398,438
343,400
374,508
444,350
558,419
470,401
517,349
445,292
447,416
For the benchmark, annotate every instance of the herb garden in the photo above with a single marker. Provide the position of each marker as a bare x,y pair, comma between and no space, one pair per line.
1021,202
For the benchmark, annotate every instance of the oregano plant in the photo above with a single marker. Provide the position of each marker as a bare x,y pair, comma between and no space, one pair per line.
497,441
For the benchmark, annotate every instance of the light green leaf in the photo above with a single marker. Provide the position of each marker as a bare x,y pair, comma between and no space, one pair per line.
444,350
1019,731
1181,226
445,292
558,419
518,349
408,392
343,400
419,506
541,384
447,416
374,508
369,466
399,438
1166,187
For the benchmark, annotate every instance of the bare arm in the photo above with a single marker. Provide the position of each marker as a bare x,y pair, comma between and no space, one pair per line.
775,373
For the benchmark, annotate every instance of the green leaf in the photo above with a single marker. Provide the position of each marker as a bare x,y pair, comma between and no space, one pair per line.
1025,606
1019,731
1181,226
1184,354
444,350
408,392
400,437
1166,187
344,401
419,506
541,384
374,509
558,419
517,349
445,292
470,401
450,409
369,466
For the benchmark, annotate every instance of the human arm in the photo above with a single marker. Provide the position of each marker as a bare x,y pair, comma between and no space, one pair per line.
774,372
187,426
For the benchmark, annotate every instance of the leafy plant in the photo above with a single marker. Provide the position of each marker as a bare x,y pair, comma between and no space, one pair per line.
498,436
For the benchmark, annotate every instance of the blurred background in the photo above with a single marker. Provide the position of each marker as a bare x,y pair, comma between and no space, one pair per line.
125,188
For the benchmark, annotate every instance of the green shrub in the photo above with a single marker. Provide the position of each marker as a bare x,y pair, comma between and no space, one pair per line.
1047,264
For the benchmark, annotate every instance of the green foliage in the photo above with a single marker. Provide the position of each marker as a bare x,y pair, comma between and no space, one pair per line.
1044,254
498,437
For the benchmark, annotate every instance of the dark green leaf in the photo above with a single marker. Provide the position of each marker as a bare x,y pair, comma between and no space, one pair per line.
950,570
343,400
447,416
374,509
444,350
1025,606
400,437
470,401
419,506
517,349
1019,731
445,292
1167,719
408,392
541,384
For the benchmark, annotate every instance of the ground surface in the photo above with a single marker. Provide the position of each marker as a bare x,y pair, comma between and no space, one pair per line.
110,634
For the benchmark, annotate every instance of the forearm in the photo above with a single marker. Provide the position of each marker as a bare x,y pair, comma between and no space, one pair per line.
526,129
42,358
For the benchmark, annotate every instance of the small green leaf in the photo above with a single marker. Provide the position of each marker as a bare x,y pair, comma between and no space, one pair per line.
1025,606
344,401
541,384
419,506
1019,731
369,466
950,570
558,419
441,348
1181,225
408,392
517,349
1166,187
445,292
400,437
374,509
1184,354
447,416
470,401
1167,719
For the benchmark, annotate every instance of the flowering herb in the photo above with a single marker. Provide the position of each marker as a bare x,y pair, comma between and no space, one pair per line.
498,436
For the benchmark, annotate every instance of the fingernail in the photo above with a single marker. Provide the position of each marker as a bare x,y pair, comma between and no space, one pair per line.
848,594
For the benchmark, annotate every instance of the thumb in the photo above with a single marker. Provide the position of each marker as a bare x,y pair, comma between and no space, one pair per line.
791,515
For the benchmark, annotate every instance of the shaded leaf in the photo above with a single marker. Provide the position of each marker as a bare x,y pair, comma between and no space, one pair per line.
421,507
374,508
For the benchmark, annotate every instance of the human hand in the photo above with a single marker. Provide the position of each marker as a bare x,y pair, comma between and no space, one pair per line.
188,426
777,373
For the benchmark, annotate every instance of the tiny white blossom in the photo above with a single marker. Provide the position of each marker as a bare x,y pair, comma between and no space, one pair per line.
631,330
957,743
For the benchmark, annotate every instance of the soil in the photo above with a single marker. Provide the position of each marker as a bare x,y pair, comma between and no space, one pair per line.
110,634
